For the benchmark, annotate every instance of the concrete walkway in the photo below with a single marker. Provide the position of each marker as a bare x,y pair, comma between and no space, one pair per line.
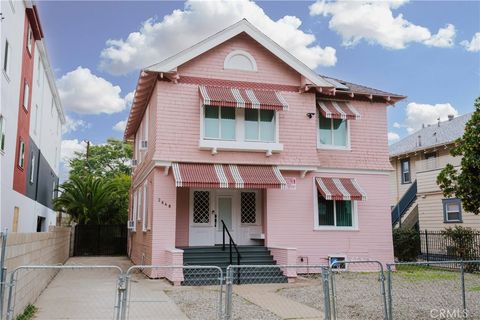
91,294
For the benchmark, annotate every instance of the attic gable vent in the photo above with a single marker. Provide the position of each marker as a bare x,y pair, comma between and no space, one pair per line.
240,60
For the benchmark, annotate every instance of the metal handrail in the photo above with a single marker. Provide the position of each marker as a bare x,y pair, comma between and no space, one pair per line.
231,242
404,203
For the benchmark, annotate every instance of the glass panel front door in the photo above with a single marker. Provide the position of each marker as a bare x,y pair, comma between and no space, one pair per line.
224,207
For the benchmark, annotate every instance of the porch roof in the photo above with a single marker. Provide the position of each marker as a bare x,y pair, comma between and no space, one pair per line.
203,175
340,189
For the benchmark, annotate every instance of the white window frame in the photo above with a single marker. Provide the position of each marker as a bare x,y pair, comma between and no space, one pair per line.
403,180
32,168
211,203
2,134
21,154
219,125
6,59
145,208
26,94
258,130
29,39
240,144
445,203
332,146
318,227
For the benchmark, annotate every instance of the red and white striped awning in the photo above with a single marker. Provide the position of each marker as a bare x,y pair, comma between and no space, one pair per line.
340,189
202,175
338,110
243,98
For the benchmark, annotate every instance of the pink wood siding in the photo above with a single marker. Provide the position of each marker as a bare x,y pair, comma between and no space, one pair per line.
183,202
291,222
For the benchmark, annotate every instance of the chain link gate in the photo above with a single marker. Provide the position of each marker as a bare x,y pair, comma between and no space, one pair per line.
367,299
69,302
199,297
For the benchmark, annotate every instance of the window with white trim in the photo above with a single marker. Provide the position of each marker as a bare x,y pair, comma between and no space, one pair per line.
21,154
240,60
6,57
452,210
26,94
32,168
145,207
2,133
405,170
335,213
248,207
332,132
259,125
201,207
29,39
219,123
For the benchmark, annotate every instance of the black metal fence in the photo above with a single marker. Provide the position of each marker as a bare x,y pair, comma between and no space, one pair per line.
99,240
435,246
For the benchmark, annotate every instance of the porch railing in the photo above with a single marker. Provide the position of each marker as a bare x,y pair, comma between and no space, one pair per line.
231,244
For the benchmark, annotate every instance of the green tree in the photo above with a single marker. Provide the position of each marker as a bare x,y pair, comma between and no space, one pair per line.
104,160
86,199
465,183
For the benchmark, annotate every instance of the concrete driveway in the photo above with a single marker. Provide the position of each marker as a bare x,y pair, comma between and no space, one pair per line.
91,294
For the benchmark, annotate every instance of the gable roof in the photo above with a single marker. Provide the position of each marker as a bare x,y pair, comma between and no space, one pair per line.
171,63
443,133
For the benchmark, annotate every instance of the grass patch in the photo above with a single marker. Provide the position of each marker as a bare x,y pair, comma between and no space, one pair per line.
425,273
474,289
28,313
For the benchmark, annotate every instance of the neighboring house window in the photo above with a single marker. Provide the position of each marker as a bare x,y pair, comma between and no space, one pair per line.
335,213
405,169
21,154
219,123
452,210
248,208
6,57
2,133
29,40
145,208
332,132
260,125
26,94
32,169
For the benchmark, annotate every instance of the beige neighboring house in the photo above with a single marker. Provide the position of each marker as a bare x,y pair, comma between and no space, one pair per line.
417,160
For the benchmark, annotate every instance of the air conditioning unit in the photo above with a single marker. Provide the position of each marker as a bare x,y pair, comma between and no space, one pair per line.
134,162
131,224
143,145
335,262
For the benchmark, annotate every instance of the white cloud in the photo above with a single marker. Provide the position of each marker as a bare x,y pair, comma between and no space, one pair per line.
397,125
157,40
69,147
374,22
72,125
120,125
129,98
392,137
418,114
83,92
474,45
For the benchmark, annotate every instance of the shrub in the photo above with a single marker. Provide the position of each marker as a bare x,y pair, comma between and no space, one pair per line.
463,241
406,244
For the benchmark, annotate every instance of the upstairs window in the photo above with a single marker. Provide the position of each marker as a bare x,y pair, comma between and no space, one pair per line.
452,210
32,169
405,170
219,123
21,154
259,125
333,132
26,94
29,40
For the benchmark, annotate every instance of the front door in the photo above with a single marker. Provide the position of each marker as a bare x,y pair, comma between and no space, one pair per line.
225,214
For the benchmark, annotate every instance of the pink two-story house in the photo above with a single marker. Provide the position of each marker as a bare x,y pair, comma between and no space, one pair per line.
236,131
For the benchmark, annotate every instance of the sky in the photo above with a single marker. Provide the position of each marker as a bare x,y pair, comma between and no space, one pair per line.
426,50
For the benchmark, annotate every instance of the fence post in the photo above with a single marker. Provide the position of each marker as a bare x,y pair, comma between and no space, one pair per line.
3,271
384,295
389,292
228,293
123,281
326,293
462,279
426,243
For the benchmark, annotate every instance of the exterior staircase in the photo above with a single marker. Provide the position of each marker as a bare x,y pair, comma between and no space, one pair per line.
215,256
401,212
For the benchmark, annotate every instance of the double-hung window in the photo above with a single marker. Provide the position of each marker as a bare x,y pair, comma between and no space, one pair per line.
452,210
335,213
332,132
259,125
405,170
219,123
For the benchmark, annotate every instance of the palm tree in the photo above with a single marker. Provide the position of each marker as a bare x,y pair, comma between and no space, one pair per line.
85,199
